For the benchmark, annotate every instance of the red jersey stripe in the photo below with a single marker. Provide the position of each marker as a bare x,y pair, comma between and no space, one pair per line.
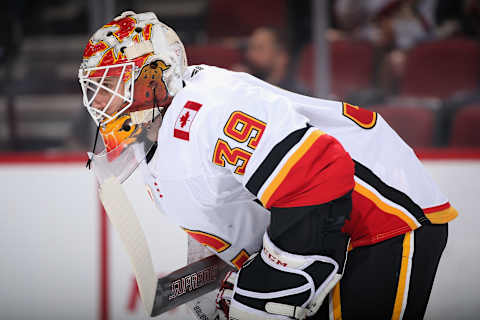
317,172
437,208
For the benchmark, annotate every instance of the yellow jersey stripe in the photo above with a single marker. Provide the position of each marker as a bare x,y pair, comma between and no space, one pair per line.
385,207
442,216
336,305
403,281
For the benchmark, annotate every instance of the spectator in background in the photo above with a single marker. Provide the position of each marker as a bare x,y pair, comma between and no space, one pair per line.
392,26
396,26
359,20
268,58
412,22
407,24
458,17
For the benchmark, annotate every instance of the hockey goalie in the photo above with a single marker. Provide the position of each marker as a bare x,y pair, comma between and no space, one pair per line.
282,187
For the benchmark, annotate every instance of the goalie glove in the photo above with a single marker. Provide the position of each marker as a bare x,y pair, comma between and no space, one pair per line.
275,284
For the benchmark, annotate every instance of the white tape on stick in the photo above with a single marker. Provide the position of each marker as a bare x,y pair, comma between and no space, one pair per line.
122,216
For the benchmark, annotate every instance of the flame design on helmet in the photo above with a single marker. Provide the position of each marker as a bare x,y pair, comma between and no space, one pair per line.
126,26
111,54
118,134
126,47
93,48
147,32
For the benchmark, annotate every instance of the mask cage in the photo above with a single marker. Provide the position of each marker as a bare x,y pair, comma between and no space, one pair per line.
91,88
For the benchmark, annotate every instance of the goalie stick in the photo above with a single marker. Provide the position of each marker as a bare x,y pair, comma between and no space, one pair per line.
158,294
188,283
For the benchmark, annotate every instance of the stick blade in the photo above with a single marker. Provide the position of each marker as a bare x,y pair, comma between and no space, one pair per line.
188,283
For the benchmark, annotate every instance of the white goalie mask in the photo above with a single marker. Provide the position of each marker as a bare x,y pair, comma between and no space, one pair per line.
118,59
131,69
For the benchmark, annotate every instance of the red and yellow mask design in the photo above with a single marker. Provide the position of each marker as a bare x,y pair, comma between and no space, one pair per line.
119,133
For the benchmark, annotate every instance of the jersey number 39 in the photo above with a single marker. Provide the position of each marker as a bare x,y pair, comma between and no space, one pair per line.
244,129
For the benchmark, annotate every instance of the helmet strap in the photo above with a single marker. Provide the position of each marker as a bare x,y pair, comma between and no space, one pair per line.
89,161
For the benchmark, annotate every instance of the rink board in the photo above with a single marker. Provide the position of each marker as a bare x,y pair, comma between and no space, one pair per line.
60,258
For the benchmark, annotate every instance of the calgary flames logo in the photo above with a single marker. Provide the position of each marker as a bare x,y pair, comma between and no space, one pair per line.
125,26
122,30
93,48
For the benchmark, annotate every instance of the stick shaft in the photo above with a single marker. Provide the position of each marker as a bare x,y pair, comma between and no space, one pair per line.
158,294
123,218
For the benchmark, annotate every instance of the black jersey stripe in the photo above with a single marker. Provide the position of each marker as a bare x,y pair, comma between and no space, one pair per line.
271,161
390,193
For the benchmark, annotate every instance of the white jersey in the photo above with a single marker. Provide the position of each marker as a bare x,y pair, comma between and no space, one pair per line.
231,146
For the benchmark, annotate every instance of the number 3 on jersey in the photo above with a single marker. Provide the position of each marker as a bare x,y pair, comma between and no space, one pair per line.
244,129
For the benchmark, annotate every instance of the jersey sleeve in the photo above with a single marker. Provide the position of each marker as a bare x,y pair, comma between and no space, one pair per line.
272,150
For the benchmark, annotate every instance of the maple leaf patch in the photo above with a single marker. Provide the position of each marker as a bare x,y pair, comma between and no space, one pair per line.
184,119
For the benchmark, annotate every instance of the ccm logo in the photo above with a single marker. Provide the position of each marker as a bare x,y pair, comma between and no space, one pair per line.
273,258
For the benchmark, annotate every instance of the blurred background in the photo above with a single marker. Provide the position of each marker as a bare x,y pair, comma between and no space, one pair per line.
417,62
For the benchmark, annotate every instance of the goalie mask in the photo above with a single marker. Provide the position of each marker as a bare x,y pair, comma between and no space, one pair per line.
131,64
131,69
